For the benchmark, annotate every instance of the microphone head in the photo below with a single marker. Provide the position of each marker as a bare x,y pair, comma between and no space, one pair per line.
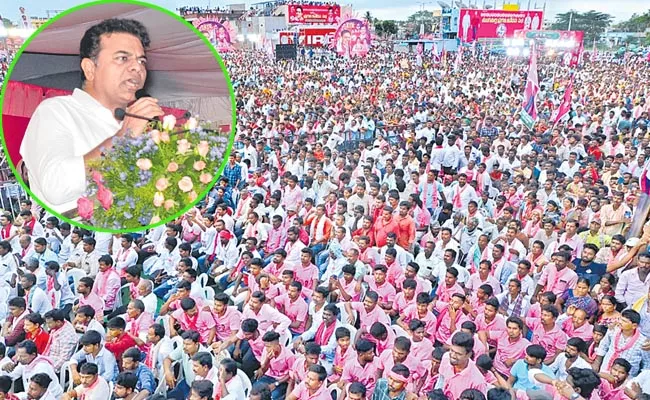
140,93
186,115
119,114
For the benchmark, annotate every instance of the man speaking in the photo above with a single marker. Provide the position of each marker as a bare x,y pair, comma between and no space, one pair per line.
66,132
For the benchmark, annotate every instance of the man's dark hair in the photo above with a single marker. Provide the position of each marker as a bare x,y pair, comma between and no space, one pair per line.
29,346
191,335
133,353
116,323
90,337
203,358
586,379
127,379
357,388
203,388
90,43
499,394
89,369
6,384
262,390
43,380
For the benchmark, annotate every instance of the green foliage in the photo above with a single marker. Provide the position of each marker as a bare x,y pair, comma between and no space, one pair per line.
144,188
592,23
385,28
637,23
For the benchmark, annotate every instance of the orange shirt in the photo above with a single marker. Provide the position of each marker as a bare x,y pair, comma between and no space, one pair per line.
382,229
406,235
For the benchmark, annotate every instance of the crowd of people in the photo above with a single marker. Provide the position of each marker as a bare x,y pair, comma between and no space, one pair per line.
384,228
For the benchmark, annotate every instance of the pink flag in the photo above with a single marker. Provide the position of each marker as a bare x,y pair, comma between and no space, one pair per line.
565,107
529,106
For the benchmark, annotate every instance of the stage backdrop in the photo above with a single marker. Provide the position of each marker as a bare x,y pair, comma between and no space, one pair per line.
494,24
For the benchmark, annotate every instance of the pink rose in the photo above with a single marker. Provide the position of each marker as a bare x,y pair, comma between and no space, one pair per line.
169,204
164,137
97,177
105,197
162,184
154,220
205,178
85,207
183,146
172,167
199,165
158,199
203,148
185,184
192,195
144,164
155,136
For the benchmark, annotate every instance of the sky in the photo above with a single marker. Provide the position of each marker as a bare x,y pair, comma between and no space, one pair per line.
382,9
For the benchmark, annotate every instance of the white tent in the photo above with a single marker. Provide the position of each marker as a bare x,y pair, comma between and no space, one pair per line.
182,70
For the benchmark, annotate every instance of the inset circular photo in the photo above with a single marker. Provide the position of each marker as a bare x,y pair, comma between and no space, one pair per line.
117,116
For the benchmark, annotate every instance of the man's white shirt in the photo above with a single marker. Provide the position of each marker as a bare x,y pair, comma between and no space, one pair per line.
60,133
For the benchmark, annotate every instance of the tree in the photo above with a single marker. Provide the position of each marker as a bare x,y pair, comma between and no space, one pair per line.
368,17
637,23
592,23
385,28
423,17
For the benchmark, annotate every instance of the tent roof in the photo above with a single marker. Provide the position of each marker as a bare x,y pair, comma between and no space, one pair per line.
181,67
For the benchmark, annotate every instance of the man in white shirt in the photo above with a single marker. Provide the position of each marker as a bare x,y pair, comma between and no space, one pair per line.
126,256
67,131
30,363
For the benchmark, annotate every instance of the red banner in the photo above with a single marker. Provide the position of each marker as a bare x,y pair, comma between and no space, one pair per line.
309,37
494,24
307,14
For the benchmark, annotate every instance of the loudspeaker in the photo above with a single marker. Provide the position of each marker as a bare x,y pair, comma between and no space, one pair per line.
285,52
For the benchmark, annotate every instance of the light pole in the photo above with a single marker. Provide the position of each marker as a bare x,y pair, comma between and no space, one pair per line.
422,4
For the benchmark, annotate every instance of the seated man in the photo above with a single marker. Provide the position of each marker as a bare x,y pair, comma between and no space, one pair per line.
63,338
190,317
39,387
93,386
93,351
125,384
276,364
31,363
84,321
117,340
146,384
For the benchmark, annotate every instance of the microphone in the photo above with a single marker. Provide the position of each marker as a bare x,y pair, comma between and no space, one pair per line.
120,113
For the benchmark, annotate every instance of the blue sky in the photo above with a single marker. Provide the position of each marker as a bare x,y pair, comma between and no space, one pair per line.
383,9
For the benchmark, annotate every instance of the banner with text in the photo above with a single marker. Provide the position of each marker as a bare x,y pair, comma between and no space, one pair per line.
495,24
308,14
309,37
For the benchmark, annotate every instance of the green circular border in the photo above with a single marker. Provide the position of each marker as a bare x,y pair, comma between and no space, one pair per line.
205,40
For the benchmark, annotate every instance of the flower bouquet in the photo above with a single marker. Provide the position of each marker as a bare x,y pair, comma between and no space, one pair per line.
144,179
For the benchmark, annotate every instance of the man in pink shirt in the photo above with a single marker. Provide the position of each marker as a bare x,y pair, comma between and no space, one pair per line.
294,306
400,354
457,370
450,286
362,369
378,283
292,194
556,277
490,320
405,298
268,317
276,363
248,347
189,317
577,325
483,276
511,346
277,236
368,313
306,272
420,311
314,387
107,282
450,317
547,333
227,321
87,297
